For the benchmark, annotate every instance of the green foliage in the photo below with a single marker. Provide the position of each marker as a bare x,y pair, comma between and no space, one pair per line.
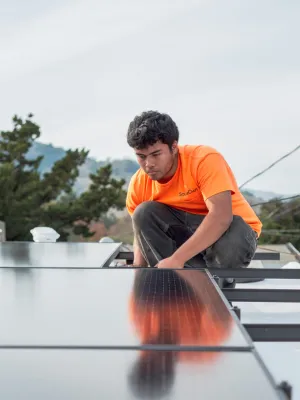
109,220
29,199
281,222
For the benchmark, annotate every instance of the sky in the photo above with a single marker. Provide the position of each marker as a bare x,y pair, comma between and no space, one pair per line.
228,73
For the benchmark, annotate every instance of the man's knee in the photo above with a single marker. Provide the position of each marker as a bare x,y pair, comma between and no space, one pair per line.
145,212
235,249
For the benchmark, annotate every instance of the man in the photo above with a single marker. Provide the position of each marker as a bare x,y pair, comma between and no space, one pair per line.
186,208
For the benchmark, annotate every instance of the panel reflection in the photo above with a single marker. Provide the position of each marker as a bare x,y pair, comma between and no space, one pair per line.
153,374
175,308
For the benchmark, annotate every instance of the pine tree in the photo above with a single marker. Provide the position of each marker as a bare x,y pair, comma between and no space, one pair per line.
29,199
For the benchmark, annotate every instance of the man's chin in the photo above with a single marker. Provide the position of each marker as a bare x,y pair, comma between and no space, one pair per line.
154,177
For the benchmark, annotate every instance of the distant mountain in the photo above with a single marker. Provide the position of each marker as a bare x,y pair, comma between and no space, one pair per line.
122,168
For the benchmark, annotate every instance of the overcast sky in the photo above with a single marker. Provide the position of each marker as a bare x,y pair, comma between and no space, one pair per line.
228,72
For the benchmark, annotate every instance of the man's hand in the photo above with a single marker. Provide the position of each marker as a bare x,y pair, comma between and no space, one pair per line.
215,223
170,262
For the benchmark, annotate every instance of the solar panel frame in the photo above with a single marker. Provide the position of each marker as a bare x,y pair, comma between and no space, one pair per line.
72,349
56,308
75,375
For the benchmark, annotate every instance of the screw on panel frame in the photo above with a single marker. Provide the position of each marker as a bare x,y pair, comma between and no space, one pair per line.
237,310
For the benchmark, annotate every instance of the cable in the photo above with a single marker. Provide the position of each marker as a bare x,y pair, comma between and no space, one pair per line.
275,200
290,210
271,166
280,211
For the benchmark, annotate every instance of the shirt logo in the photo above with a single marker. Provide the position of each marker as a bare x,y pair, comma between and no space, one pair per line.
190,191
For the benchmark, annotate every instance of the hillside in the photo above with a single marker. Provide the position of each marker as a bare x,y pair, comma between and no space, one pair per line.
121,168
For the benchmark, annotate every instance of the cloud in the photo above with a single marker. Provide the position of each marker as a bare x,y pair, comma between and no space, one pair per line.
228,74
76,28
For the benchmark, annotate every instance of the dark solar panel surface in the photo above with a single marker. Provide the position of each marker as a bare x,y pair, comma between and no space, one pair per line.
130,374
57,255
111,307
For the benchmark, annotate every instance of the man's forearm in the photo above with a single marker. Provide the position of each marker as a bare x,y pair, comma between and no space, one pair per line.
209,231
138,258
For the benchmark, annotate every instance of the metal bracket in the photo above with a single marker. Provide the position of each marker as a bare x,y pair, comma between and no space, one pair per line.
286,388
273,332
263,295
237,310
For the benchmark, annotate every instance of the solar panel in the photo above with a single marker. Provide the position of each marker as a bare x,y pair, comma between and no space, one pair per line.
123,308
57,255
131,374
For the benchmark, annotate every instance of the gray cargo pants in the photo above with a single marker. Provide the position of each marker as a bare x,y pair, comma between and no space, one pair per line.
159,230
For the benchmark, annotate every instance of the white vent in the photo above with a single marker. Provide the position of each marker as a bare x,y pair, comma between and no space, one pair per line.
44,234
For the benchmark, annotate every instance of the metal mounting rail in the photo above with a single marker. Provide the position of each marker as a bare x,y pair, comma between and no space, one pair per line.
263,273
259,255
263,295
273,332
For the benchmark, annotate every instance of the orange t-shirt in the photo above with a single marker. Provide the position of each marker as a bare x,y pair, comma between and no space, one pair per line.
201,173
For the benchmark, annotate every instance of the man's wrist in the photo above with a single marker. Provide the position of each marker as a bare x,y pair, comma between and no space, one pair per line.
178,258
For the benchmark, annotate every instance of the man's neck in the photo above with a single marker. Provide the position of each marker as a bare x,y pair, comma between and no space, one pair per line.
169,175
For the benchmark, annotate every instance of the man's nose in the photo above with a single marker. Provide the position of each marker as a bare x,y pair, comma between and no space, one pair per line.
149,163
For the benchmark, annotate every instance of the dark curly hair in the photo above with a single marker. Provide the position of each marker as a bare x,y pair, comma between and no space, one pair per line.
150,127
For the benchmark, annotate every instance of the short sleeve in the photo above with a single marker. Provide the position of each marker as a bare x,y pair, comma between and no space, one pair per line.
214,176
132,200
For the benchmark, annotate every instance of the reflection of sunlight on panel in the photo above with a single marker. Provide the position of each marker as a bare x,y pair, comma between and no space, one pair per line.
282,360
57,255
114,374
115,307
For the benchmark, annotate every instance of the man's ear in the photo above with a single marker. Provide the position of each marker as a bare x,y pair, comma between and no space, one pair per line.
175,147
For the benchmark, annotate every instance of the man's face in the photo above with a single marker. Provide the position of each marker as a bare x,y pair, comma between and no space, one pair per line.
158,161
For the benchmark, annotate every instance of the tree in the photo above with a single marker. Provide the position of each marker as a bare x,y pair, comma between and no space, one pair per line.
281,222
28,199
